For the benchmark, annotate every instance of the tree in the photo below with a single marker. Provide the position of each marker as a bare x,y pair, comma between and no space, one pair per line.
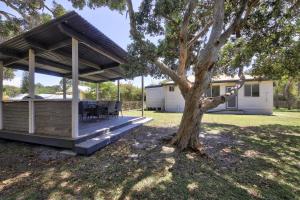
25,83
191,35
29,14
68,83
41,89
108,91
11,91
25,15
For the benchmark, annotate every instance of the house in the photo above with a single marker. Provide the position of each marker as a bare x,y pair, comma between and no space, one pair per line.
255,97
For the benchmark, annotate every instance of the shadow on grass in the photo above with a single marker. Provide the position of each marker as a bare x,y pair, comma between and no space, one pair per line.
242,163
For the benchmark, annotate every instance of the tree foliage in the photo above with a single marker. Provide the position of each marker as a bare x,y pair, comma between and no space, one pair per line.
11,91
41,89
25,83
24,15
109,90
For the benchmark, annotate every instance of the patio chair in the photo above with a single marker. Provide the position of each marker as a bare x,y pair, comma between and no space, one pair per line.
102,108
111,108
82,110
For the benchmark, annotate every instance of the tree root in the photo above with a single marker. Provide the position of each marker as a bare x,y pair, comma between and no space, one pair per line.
168,138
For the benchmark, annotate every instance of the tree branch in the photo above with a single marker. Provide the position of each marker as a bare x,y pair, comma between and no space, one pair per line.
9,4
209,54
182,82
245,6
212,102
133,30
183,35
7,15
199,34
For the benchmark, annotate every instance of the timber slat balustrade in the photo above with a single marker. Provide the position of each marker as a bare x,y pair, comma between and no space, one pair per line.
53,118
15,116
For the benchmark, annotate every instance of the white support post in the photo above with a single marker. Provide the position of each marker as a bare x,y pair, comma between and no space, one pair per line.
119,94
1,95
75,82
142,95
97,91
64,88
31,91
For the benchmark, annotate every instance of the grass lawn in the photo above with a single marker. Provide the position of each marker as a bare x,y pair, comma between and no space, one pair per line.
248,157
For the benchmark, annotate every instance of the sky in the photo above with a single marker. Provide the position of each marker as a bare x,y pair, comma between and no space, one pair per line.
111,23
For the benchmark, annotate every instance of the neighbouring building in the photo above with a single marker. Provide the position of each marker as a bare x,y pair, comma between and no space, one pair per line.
255,97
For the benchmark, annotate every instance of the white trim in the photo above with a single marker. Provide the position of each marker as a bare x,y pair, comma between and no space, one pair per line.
142,95
64,88
31,92
75,91
1,95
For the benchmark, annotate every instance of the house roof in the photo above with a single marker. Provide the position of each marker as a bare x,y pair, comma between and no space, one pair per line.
216,79
81,88
43,96
99,56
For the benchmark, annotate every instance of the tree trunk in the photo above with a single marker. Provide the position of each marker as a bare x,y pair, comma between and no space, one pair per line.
189,128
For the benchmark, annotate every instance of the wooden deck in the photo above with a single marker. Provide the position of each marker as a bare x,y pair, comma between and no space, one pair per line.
108,130
91,126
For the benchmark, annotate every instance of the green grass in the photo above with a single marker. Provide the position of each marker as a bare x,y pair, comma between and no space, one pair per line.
282,117
248,157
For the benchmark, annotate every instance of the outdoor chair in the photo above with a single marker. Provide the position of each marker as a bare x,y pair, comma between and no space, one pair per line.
111,108
102,108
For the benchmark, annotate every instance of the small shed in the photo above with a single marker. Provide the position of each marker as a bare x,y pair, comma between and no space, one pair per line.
155,99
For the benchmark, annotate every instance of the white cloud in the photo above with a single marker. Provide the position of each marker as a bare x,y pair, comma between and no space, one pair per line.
13,82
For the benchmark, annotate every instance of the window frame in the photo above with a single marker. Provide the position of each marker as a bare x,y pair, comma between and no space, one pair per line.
219,88
250,85
173,88
210,90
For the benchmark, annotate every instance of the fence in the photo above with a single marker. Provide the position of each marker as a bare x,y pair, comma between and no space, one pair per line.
131,105
283,104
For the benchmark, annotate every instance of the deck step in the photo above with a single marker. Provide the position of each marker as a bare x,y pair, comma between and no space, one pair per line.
96,143
102,131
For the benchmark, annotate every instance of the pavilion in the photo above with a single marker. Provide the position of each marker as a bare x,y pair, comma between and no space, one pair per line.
67,47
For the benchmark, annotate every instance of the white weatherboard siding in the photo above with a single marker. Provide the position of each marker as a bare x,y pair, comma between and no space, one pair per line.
155,98
263,104
257,105
174,102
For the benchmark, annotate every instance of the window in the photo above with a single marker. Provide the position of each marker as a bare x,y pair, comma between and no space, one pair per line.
213,91
255,90
251,90
171,88
208,92
247,90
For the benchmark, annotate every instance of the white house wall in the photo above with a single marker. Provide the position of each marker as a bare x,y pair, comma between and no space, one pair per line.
257,105
155,98
174,102
263,104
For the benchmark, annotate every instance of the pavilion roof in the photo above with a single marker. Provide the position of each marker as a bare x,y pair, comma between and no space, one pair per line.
99,56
